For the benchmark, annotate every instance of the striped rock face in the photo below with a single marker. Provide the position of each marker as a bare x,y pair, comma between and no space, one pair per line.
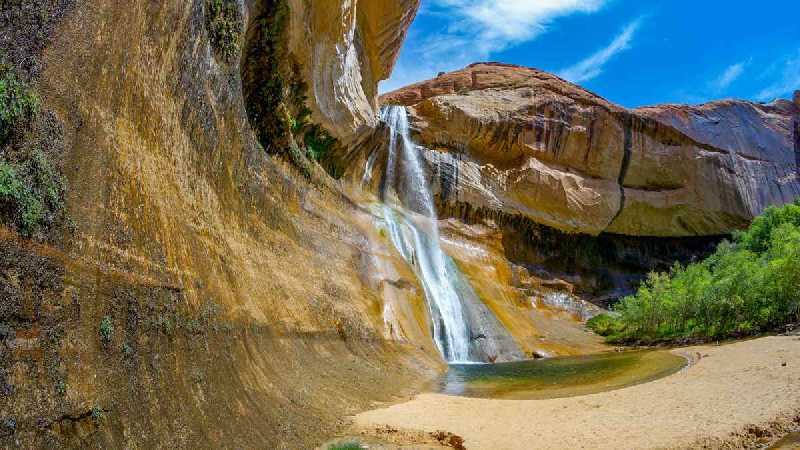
522,142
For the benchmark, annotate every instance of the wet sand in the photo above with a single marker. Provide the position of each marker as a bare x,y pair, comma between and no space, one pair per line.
740,395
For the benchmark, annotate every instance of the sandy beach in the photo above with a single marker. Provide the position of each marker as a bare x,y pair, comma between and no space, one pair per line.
740,395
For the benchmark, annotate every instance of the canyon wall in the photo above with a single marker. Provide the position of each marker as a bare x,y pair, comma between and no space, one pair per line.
201,293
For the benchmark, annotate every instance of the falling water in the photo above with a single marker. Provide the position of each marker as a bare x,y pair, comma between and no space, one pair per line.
413,228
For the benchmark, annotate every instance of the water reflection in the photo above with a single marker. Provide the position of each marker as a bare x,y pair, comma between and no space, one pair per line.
559,377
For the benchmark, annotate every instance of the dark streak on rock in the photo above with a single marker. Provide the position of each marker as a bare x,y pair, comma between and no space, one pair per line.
589,141
627,124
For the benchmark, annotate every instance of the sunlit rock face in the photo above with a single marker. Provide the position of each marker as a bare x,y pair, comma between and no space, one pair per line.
523,142
345,48
233,290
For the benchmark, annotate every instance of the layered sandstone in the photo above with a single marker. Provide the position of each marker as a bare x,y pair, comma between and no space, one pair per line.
345,48
206,293
523,142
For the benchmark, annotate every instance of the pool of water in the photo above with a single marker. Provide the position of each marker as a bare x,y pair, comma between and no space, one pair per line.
559,377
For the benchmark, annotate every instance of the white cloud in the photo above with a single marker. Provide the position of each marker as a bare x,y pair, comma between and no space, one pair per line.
476,29
786,78
497,24
731,74
592,66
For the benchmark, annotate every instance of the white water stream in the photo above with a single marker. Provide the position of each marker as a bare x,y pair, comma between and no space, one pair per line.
410,217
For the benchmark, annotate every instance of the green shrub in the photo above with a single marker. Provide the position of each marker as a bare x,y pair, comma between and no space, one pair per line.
318,142
31,192
31,188
346,446
746,287
603,324
225,26
757,236
106,330
127,350
18,103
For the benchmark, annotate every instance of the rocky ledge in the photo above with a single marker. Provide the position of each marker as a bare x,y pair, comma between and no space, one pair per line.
522,142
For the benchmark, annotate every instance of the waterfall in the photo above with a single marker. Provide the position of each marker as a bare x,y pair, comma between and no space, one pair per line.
410,217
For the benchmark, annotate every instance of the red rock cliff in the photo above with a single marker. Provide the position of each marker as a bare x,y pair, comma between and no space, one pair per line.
524,142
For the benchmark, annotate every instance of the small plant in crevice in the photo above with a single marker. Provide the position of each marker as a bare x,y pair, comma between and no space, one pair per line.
61,388
224,24
106,330
164,323
10,425
299,159
318,142
197,376
97,414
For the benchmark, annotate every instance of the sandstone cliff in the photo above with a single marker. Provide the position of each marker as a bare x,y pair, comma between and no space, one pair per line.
345,49
526,143
202,293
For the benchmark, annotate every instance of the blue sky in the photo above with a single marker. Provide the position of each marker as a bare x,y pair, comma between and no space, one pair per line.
632,52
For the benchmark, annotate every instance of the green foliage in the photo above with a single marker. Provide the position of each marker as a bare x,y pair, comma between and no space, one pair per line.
18,103
106,330
31,188
224,24
746,287
757,237
165,324
346,446
603,324
318,142
31,192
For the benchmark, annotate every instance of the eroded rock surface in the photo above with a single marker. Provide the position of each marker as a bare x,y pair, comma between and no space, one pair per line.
205,293
346,48
523,142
